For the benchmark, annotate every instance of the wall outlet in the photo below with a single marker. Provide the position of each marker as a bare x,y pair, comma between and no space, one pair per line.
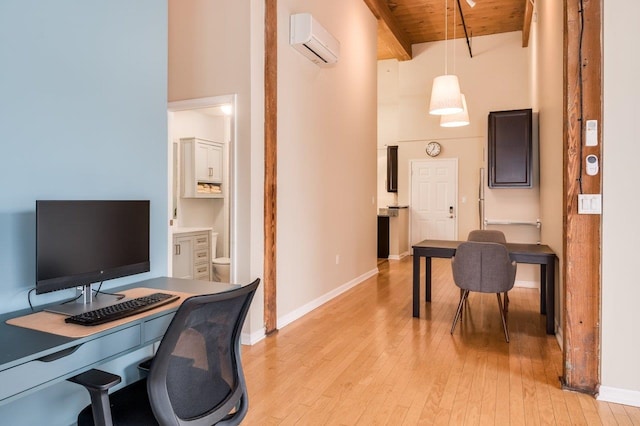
337,259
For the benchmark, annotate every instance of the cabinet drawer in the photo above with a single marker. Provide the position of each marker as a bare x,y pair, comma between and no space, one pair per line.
38,372
201,242
154,329
201,256
202,272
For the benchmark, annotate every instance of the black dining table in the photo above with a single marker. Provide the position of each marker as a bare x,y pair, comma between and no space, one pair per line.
537,254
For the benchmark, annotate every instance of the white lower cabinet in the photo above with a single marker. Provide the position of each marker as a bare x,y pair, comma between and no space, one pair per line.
192,255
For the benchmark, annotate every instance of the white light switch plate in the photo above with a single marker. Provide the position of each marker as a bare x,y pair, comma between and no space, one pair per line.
589,203
592,133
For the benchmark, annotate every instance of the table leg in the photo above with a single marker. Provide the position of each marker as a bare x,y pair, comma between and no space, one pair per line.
550,299
427,280
416,285
543,289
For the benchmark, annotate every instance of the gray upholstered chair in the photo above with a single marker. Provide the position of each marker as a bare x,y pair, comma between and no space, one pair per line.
487,236
486,268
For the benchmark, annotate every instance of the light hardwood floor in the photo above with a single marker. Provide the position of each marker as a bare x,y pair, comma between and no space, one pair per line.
362,359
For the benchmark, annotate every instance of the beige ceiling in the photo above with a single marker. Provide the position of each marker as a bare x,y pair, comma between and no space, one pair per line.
402,23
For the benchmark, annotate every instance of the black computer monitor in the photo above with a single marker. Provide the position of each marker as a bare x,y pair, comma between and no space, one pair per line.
81,242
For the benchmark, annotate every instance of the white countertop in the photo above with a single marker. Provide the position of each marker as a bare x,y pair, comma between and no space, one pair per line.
184,230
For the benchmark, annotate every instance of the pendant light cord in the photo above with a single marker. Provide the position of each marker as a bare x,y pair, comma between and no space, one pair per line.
446,33
454,39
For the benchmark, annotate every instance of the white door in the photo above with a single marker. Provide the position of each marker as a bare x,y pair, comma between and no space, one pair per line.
434,189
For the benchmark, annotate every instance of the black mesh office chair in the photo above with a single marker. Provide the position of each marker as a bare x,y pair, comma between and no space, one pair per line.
195,378
486,268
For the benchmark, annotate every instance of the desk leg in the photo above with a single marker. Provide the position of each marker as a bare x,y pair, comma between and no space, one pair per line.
427,280
550,299
416,285
543,289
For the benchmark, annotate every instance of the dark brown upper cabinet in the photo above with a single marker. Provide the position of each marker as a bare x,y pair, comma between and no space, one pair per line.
510,149
392,169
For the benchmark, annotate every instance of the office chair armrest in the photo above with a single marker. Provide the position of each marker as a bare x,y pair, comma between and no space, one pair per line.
96,380
98,383
145,365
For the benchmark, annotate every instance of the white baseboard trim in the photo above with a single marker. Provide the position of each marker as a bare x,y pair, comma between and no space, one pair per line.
398,257
526,284
305,309
619,396
252,338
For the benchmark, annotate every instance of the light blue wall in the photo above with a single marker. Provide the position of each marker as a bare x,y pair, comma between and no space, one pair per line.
83,91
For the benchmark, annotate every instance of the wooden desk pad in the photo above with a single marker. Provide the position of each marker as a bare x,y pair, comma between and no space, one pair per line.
49,322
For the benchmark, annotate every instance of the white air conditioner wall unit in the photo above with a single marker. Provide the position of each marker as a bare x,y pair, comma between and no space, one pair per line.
308,37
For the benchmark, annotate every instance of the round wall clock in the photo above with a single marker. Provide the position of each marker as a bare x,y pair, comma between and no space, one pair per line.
433,149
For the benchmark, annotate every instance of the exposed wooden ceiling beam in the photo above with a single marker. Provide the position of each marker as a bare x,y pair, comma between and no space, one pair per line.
394,37
526,26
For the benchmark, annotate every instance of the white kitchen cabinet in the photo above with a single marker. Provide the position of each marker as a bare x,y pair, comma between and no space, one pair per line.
202,168
192,255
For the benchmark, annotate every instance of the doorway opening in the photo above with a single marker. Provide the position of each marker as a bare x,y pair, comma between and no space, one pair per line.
202,151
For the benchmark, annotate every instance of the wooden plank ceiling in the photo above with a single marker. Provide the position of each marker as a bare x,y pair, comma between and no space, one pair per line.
402,23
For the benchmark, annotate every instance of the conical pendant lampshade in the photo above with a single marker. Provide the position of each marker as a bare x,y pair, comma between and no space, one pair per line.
456,120
445,96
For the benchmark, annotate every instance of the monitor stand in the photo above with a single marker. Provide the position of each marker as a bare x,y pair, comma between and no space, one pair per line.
84,301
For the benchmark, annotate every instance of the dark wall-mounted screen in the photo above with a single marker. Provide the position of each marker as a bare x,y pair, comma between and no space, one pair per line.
83,242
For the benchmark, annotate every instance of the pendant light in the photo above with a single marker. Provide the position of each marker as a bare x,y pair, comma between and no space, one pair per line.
461,118
458,119
445,91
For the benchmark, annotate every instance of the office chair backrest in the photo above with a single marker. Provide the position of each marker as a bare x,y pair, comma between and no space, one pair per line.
196,376
487,236
483,267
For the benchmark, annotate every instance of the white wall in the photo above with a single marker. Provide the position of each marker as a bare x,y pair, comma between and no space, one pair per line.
495,79
215,49
547,53
326,159
620,230
326,140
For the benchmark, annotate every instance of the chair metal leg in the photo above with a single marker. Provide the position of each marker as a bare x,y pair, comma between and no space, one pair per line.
463,297
506,301
504,320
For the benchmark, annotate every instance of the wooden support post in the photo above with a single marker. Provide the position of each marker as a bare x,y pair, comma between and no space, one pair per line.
583,101
270,163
